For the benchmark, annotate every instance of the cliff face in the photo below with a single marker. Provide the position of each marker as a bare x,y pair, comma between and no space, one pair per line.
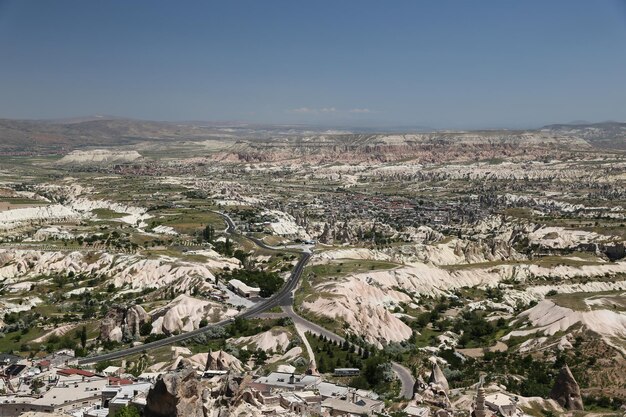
183,394
176,394
123,323
566,391
425,147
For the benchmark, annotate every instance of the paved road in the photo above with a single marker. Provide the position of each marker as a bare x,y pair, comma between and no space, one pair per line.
283,297
406,378
403,373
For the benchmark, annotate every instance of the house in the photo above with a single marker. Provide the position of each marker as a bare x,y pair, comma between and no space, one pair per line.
71,392
113,380
353,406
116,397
284,380
243,289
302,402
9,359
501,403
415,411
346,371
112,371
75,372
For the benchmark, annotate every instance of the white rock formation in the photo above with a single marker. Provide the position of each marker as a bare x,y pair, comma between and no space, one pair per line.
132,270
285,225
99,156
274,340
185,313
547,318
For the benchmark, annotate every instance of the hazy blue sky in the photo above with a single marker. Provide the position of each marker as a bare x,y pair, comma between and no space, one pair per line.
431,63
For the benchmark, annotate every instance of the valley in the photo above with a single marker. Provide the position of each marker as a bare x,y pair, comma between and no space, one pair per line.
430,265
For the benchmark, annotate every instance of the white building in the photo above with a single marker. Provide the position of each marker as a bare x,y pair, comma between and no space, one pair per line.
242,289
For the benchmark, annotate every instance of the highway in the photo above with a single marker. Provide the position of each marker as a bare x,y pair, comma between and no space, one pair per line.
283,297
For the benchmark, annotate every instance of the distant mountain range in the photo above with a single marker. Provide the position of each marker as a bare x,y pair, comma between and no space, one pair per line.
605,135
43,136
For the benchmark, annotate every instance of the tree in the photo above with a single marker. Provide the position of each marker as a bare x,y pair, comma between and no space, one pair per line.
145,329
321,365
83,337
228,247
127,411
208,234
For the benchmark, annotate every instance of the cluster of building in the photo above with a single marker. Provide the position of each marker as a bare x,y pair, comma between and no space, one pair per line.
394,211
279,393
53,385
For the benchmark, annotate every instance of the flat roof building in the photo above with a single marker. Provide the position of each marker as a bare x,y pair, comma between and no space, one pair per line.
243,289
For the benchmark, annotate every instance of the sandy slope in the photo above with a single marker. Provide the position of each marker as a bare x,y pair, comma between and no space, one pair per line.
184,314
548,318
275,340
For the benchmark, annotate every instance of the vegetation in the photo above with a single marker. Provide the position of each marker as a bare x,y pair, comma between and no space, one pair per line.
376,373
268,282
127,411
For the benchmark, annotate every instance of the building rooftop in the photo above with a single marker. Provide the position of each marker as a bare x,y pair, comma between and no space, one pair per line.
242,286
98,411
287,380
14,370
415,411
327,390
64,393
362,406
73,371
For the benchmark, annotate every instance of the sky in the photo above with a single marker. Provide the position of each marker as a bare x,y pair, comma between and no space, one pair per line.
437,64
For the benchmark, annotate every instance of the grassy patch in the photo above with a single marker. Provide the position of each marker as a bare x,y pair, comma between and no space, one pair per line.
107,214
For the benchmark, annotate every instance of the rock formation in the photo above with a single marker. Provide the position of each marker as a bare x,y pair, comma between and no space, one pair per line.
176,394
312,369
122,323
566,391
438,378
214,363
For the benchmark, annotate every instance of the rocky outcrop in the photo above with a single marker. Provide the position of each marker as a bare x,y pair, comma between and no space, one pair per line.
176,394
185,313
99,156
183,393
566,391
121,323
216,363
437,378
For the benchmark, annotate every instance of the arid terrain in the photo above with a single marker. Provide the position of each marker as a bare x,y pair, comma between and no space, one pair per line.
437,267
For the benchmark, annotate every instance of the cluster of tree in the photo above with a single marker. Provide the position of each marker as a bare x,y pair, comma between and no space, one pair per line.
208,233
603,402
224,248
522,375
259,356
375,367
127,411
477,331
247,215
268,282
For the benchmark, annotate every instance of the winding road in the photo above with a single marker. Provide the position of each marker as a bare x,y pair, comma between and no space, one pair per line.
283,298
403,373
